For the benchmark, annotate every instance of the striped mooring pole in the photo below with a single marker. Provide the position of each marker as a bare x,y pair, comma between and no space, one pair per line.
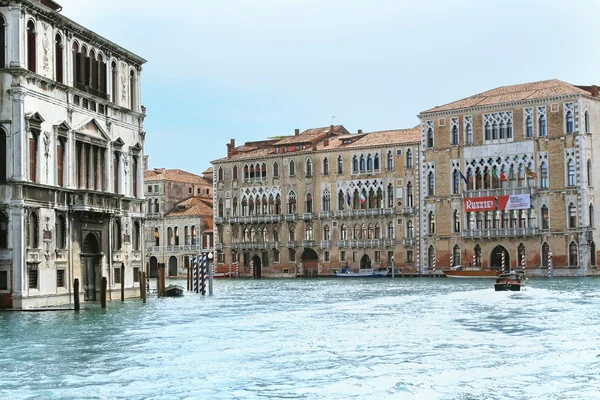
433,263
474,259
549,264
230,270
203,274
523,261
195,274
451,260
252,268
237,270
504,262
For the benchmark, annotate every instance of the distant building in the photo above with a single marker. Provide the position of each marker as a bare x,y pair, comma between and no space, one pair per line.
309,203
71,149
179,218
508,174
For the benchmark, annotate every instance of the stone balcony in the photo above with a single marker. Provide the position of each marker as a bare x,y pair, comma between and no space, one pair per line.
500,233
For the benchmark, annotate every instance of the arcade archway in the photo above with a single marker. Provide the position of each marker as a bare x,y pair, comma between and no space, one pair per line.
310,262
257,267
496,258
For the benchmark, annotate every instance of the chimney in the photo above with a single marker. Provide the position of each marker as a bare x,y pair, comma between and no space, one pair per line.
594,90
326,143
296,132
331,129
231,148
360,131
314,146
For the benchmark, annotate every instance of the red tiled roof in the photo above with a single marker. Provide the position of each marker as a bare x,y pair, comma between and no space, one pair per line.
194,206
312,134
177,175
506,94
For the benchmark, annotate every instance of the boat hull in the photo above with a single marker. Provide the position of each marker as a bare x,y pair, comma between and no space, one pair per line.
474,274
374,274
173,291
503,287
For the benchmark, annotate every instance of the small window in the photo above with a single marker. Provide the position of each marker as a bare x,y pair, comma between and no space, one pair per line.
377,256
117,275
149,188
326,256
136,274
60,278
342,255
3,280
155,188
33,277
190,190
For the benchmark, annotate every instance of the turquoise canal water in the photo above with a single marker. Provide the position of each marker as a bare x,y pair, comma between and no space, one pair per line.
316,339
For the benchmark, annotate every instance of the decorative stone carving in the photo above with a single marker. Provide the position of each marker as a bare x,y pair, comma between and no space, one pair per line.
46,47
124,81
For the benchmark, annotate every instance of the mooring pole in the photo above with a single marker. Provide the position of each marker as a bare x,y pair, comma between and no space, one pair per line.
210,273
143,285
188,276
103,292
76,294
393,268
122,281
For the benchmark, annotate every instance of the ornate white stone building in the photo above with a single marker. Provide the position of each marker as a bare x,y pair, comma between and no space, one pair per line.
71,151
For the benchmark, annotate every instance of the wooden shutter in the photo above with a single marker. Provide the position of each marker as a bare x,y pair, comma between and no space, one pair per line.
135,178
59,164
116,172
32,159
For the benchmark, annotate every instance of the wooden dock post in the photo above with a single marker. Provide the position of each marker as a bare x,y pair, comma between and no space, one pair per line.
189,274
103,292
122,281
161,280
143,286
76,293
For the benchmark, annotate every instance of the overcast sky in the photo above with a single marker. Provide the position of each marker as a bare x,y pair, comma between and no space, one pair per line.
251,69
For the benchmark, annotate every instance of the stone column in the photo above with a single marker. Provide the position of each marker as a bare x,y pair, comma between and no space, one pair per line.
109,187
69,154
17,217
90,166
82,165
15,40
19,136
98,169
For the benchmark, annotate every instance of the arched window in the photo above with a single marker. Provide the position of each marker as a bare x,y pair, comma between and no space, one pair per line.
156,206
326,232
186,235
430,137
509,129
252,171
455,255
376,162
341,200
430,184
344,233
276,169
488,131
33,154
221,207
3,153
469,132
430,256
326,206
544,181
378,231
477,256
455,135
542,125
570,123
456,182
176,236
593,254
409,159
115,81
356,232
573,254
529,127
370,232
545,217
409,195
234,209
572,216
390,160
220,174
586,121
194,239
340,165
58,58
308,168
363,164
278,204
3,230
169,236
325,166
61,232
117,235
495,130
136,236
456,221
589,173
31,46
431,222
263,171
291,202
354,165
571,178
132,90
308,233
390,230
292,167
545,253
309,203
591,216
409,229
390,196
60,162
502,130
234,174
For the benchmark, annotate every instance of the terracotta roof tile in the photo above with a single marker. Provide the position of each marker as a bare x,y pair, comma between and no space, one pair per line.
178,175
506,94
194,206
311,134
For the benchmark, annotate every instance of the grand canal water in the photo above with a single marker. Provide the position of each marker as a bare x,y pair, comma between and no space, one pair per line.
316,339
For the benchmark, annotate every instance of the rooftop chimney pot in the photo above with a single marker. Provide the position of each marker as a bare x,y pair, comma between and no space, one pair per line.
296,132
594,90
360,131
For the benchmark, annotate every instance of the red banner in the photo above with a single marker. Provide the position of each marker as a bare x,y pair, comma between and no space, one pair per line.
487,203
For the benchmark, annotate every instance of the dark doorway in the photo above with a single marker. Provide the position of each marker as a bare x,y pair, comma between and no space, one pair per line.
310,262
172,266
153,267
90,267
365,262
256,267
496,258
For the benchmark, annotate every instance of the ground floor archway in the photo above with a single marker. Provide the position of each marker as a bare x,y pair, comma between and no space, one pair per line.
153,267
310,262
365,262
256,267
172,266
496,258
90,267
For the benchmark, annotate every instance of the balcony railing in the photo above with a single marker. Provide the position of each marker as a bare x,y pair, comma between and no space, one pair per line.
500,192
307,216
500,232
290,217
292,244
408,210
219,220
342,243
325,244
218,246
308,243
93,92
324,214
408,241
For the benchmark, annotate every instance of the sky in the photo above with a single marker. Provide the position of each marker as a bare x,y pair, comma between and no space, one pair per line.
249,70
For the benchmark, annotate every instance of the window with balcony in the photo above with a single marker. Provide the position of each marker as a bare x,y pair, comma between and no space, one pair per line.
156,237
409,229
309,203
573,259
456,221
390,196
326,206
343,232
326,232
390,230
291,202
220,210
545,215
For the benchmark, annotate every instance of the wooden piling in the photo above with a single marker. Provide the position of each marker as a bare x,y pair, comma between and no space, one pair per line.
161,280
189,279
122,281
103,292
143,286
197,277
76,293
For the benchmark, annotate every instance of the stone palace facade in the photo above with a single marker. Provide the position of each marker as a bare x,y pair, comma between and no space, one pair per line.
71,155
